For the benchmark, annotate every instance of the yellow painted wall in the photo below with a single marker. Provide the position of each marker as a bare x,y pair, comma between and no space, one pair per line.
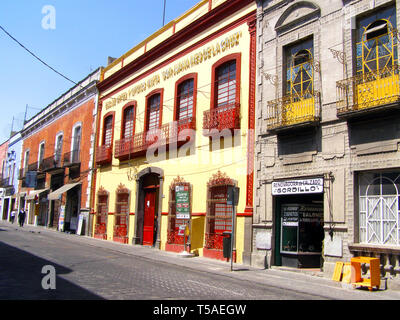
196,169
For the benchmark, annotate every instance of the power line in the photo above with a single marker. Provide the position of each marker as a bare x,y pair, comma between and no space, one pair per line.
30,52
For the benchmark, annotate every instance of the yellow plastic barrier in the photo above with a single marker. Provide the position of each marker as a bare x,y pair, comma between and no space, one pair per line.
375,278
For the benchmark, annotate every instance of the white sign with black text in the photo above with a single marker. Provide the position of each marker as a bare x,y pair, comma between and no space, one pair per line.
298,186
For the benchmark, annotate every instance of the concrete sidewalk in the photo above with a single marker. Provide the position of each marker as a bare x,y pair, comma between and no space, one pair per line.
310,281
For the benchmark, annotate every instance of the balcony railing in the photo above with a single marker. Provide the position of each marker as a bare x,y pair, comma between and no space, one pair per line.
4,183
290,111
368,91
71,158
138,144
223,117
50,163
104,154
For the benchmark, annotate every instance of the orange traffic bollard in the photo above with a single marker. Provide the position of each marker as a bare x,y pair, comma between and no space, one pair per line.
375,278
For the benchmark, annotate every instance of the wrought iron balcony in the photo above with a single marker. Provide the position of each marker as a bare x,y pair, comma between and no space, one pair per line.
138,144
104,155
223,117
4,183
293,111
370,91
51,163
72,158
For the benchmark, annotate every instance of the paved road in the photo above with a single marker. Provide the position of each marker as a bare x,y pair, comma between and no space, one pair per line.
93,269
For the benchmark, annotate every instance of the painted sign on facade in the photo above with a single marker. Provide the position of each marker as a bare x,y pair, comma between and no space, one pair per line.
298,186
182,202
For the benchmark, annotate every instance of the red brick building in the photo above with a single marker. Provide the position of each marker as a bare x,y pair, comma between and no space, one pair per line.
56,158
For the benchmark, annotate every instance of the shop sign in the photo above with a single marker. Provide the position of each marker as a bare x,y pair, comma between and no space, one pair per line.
298,186
182,202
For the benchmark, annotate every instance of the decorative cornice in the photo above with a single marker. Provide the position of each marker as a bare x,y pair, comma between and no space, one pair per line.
220,179
176,40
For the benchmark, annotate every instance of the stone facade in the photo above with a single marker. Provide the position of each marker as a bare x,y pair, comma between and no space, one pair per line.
339,147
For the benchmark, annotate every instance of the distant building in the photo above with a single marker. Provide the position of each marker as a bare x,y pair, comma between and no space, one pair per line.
3,182
57,158
10,182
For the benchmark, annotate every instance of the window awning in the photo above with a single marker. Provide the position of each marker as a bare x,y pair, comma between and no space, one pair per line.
57,193
34,193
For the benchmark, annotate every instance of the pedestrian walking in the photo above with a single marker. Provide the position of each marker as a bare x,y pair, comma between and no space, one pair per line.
21,217
12,218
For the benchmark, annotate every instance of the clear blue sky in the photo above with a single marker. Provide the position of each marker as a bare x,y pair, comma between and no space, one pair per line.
86,33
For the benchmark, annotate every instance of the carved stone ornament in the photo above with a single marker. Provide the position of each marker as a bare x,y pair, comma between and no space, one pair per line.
220,179
122,189
102,191
177,181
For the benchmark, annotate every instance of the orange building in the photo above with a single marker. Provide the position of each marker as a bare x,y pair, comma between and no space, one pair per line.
57,156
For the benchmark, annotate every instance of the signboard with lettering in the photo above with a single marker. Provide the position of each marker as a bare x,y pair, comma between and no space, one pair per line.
182,202
298,186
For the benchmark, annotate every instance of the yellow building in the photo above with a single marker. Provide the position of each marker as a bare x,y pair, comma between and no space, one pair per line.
175,131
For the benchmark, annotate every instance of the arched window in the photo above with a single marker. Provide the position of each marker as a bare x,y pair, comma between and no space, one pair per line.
225,84
108,129
379,215
58,148
121,215
376,43
41,154
76,143
100,230
128,122
153,112
185,101
299,71
219,213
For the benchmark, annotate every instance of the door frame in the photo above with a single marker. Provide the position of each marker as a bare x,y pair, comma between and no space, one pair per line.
139,206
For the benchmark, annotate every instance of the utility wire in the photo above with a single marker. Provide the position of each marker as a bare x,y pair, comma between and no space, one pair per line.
5,31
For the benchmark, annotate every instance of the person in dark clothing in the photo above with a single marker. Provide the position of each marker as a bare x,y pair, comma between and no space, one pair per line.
21,217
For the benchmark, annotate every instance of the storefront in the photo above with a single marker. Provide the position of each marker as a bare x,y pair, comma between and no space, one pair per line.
299,222
175,129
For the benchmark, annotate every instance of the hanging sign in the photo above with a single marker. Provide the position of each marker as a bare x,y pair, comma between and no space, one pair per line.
182,202
298,186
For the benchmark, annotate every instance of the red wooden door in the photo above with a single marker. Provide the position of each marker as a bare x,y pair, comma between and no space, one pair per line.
149,215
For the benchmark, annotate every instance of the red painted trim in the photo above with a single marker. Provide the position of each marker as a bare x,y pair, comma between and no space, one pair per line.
245,214
129,104
216,254
177,83
220,62
199,214
93,190
108,114
131,213
111,213
209,5
144,60
164,213
252,23
123,240
146,113
171,247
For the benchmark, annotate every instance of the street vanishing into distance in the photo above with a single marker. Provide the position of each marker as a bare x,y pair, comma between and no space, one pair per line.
92,269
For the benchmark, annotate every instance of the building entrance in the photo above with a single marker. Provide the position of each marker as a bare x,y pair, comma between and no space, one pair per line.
299,231
149,216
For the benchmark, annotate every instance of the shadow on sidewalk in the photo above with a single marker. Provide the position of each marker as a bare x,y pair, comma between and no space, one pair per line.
21,278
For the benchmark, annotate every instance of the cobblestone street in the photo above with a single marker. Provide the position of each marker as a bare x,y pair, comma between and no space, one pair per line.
93,269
